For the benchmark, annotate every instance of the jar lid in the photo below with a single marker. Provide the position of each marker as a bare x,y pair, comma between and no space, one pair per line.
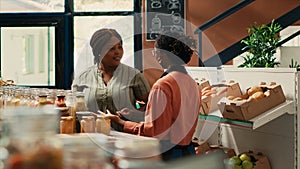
83,113
88,117
79,94
66,118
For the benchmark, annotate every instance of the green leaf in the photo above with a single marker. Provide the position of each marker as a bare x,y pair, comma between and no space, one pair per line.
261,45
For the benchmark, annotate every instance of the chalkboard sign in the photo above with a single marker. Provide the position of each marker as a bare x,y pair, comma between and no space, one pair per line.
162,15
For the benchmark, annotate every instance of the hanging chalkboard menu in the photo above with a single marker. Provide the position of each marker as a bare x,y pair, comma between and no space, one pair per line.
163,15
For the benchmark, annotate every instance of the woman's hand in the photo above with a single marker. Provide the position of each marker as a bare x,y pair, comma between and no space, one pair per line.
132,115
113,117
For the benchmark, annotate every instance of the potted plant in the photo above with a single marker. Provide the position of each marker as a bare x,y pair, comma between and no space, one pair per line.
261,45
294,64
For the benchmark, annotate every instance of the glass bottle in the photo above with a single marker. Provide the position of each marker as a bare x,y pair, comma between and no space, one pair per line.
60,99
70,103
29,138
80,106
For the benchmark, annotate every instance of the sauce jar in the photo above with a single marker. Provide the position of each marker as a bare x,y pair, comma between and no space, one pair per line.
60,101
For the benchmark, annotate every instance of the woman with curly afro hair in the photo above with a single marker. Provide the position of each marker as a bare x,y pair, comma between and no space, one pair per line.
174,101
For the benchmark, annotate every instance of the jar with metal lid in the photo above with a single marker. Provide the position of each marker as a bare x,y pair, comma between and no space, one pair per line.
29,140
103,125
61,105
66,125
87,124
43,98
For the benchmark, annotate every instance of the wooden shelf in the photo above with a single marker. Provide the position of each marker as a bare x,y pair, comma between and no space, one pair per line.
286,107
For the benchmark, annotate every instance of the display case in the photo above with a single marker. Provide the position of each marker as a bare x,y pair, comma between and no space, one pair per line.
273,133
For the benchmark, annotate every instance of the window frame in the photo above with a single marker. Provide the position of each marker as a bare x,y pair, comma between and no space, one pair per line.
64,36
59,22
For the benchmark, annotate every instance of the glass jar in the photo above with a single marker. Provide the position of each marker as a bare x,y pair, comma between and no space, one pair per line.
103,125
7,96
29,138
87,124
80,104
51,96
70,103
16,97
43,97
25,101
66,125
60,101
42,100
61,105
2,101
70,98
34,97
84,151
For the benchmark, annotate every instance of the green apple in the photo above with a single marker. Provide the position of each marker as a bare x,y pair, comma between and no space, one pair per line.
244,157
247,164
237,167
235,160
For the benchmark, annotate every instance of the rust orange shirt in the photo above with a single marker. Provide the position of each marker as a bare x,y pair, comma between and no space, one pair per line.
172,110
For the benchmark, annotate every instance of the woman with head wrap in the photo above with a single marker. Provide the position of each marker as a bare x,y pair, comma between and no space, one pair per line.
109,84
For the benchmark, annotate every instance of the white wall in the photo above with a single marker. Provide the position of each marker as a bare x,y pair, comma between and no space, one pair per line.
290,49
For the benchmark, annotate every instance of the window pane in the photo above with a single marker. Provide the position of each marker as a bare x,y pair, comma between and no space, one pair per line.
103,5
16,6
83,56
27,55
